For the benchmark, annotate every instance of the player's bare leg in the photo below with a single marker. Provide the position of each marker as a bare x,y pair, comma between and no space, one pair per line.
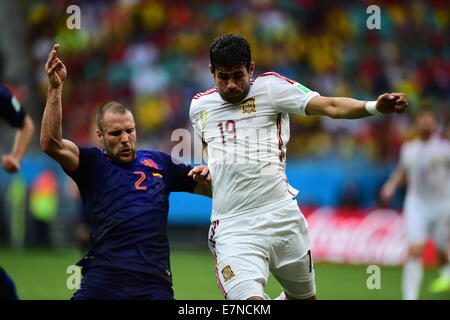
412,273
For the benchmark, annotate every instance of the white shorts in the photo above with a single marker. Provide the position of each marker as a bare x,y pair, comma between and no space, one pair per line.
272,239
423,222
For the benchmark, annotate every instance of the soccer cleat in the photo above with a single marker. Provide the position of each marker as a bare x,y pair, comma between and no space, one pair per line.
440,284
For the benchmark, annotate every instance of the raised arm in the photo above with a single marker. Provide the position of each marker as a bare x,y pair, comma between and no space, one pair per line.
11,162
63,151
348,108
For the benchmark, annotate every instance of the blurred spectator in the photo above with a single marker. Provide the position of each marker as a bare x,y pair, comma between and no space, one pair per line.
43,206
150,55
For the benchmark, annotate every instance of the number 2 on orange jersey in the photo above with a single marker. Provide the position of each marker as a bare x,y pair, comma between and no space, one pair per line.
137,184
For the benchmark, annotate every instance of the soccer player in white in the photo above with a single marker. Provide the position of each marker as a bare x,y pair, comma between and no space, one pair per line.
257,226
425,166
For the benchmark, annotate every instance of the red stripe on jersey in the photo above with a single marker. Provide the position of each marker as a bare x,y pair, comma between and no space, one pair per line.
280,140
276,75
201,94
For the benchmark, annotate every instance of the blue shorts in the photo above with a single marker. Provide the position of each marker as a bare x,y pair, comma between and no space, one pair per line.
103,283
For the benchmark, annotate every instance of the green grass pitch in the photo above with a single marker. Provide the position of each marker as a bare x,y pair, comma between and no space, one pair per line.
41,275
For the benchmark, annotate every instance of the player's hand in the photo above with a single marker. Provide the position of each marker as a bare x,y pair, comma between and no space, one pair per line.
392,102
200,174
10,163
386,194
55,68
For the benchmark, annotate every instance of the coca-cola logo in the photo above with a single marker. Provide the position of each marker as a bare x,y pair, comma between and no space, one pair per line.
357,236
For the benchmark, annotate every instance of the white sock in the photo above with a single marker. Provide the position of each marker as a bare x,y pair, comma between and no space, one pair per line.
411,279
266,296
445,270
282,296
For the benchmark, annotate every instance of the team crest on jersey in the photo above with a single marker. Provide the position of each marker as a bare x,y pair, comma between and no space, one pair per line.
249,106
150,163
227,273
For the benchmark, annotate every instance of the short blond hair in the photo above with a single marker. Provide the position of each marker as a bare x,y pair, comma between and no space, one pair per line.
112,106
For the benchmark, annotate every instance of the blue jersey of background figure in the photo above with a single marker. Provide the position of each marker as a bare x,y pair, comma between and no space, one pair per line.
128,206
10,108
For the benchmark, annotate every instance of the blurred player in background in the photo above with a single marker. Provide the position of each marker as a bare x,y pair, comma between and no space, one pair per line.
257,226
126,192
16,116
425,166
447,131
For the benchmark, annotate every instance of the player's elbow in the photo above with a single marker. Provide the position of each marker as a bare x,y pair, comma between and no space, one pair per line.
28,125
332,111
45,145
325,106
49,145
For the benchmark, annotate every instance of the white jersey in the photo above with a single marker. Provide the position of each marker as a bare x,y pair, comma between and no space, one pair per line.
427,164
246,142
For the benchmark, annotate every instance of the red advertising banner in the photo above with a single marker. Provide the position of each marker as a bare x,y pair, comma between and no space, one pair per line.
360,236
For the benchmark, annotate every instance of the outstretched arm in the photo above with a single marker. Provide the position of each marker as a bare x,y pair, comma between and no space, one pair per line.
11,162
348,108
63,151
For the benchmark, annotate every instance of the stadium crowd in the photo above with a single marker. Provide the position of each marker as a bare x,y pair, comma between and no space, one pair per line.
152,55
